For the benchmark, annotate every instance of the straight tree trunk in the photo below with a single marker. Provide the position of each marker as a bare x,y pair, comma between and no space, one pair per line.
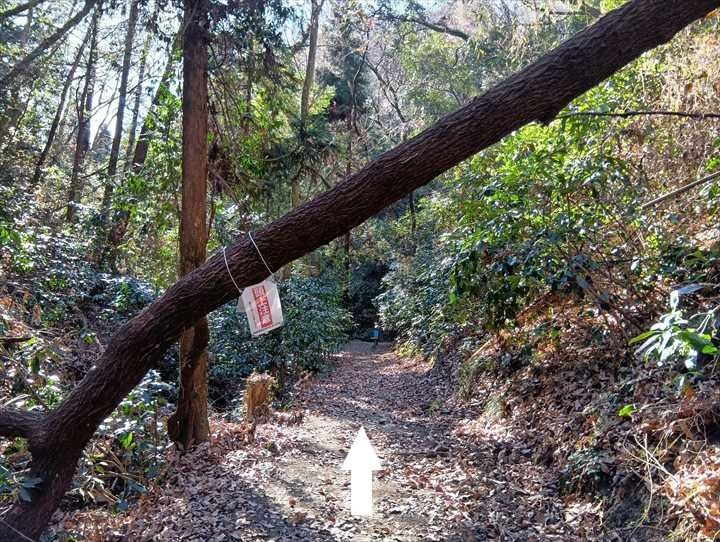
295,195
536,93
107,250
22,67
138,93
189,425
310,69
37,176
82,143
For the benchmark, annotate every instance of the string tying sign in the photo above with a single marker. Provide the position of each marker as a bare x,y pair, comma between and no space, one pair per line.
261,302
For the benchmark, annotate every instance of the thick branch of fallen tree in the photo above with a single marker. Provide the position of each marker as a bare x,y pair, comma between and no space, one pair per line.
19,423
536,93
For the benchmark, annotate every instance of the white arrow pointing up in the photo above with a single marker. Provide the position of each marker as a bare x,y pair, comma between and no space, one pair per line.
361,460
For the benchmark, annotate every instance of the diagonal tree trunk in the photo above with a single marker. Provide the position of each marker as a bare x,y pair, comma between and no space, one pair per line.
315,10
132,132
143,141
20,8
537,93
37,176
22,67
189,425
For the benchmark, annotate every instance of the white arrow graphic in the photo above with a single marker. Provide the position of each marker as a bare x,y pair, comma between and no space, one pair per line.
361,460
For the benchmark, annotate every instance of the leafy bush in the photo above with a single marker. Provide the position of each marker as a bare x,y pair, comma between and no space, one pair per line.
316,323
128,450
683,342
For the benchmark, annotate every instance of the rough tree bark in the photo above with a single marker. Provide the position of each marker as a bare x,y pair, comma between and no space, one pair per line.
536,93
37,176
82,142
107,245
189,424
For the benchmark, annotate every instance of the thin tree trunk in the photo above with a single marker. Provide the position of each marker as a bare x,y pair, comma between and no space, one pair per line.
143,142
37,176
119,226
82,143
107,249
307,87
310,69
189,425
536,93
138,93
22,67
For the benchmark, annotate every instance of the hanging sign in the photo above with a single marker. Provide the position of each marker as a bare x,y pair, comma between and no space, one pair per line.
262,307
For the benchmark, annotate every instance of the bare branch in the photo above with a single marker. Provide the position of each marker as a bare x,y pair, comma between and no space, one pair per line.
19,9
22,67
681,190
627,114
435,27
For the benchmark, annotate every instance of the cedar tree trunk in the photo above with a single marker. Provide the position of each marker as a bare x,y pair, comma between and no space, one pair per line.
189,425
536,93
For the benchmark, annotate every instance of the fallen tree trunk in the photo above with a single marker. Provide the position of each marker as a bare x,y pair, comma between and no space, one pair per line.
536,93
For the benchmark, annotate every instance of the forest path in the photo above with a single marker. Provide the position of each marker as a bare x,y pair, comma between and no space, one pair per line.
288,484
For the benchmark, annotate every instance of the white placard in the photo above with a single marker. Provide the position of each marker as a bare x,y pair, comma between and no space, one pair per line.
261,303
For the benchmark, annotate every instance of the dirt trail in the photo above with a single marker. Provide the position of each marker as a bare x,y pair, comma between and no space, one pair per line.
288,484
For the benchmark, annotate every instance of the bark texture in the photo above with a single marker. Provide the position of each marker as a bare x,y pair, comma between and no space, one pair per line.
537,92
189,425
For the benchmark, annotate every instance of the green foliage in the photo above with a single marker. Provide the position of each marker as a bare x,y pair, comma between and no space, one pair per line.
129,450
316,324
684,343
